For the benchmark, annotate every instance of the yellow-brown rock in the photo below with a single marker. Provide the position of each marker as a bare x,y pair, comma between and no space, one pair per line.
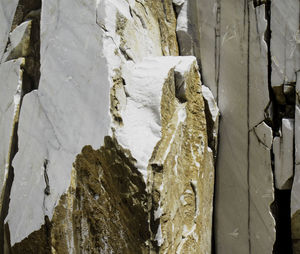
182,172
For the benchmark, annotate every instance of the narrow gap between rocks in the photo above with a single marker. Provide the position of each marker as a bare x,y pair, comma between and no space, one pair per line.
281,206
26,10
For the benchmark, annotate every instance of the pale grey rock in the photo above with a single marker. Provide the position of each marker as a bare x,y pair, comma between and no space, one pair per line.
231,228
178,2
262,224
242,158
283,153
11,76
69,110
264,134
185,38
285,41
199,35
205,27
7,12
19,42
258,66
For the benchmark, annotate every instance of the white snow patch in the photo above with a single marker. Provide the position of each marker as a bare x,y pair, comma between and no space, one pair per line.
194,158
17,97
176,165
194,184
141,128
182,200
158,212
158,236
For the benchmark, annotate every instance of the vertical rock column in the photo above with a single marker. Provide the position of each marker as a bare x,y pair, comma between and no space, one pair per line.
232,53
285,60
244,173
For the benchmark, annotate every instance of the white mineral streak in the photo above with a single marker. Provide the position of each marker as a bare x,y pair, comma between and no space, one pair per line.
283,153
214,113
69,110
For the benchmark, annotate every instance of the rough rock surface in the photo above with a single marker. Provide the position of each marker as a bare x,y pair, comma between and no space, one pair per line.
76,197
110,130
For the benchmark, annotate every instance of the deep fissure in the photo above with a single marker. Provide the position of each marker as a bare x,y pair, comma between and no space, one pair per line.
26,10
281,205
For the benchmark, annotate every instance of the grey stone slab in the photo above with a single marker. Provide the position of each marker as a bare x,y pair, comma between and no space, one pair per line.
264,134
10,98
198,34
19,42
261,222
69,110
7,12
242,84
231,228
283,155
258,66
284,41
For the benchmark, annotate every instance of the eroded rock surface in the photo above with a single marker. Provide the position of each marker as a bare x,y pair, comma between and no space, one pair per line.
110,134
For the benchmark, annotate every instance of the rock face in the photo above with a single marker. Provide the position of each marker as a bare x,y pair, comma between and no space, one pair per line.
110,130
111,119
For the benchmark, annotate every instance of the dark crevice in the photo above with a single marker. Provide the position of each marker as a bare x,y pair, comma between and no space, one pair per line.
26,10
218,48
257,3
280,108
281,210
247,17
217,79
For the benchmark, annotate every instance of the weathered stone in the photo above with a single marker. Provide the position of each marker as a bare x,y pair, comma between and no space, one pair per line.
70,109
11,75
198,34
61,116
258,66
243,97
283,155
285,40
262,223
264,134
19,42
166,91
104,210
212,114
7,12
